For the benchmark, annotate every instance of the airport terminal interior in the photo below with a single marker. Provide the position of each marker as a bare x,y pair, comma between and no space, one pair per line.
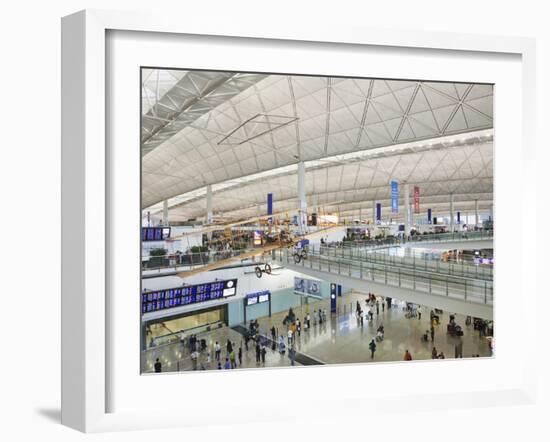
292,220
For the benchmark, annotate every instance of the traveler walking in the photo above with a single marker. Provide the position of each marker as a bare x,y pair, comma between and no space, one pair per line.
372,347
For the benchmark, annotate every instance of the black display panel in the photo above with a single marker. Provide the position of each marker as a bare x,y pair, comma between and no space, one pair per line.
155,233
191,294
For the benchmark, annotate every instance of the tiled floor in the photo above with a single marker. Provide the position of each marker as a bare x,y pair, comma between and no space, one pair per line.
175,358
340,340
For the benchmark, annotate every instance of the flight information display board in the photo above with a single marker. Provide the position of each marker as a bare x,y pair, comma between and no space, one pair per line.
155,233
191,294
258,297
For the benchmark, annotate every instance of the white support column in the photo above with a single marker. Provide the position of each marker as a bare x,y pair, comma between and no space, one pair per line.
407,191
209,213
165,213
302,201
373,212
452,216
477,212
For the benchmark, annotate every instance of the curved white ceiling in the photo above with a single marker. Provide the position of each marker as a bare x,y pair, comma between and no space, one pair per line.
223,128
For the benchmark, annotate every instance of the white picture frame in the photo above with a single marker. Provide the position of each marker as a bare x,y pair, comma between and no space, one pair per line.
86,171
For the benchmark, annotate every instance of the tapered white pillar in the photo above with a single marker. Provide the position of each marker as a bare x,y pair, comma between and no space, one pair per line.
302,201
165,213
373,212
451,215
209,213
476,212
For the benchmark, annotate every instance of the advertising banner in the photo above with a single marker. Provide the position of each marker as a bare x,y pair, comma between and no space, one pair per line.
307,287
394,197
378,212
416,199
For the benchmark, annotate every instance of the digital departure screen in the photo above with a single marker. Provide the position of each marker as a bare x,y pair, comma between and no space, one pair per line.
155,233
258,297
191,294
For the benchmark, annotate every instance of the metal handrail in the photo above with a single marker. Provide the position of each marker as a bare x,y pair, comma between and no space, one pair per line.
425,264
479,291
193,260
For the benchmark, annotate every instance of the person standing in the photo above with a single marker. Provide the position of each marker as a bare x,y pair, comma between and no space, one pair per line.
419,312
264,351
308,319
258,352
229,347
434,353
194,359
372,347
292,355
432,331
383,306
408,356
217,350
298,327
232,359
240,356
289,336
158,366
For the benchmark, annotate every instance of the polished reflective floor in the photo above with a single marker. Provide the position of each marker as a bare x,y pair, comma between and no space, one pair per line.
340,340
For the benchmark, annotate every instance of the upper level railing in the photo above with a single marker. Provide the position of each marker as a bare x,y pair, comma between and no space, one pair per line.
425,238
414,262
188,261
457,287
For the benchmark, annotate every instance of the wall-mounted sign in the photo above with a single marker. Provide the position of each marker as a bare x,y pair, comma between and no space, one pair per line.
192,294
307,287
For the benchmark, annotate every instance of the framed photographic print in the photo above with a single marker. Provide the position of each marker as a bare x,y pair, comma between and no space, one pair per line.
289,210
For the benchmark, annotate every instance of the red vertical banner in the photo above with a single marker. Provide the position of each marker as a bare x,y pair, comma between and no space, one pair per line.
416,199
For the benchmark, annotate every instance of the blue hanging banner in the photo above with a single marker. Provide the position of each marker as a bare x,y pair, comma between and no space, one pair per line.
378,212
458,217
429,216
270,206
394,197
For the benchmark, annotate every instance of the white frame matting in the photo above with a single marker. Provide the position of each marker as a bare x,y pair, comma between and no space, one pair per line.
90,172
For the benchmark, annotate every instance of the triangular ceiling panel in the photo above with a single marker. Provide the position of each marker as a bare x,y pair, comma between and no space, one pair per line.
458,122
480,90
442,115
437,99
